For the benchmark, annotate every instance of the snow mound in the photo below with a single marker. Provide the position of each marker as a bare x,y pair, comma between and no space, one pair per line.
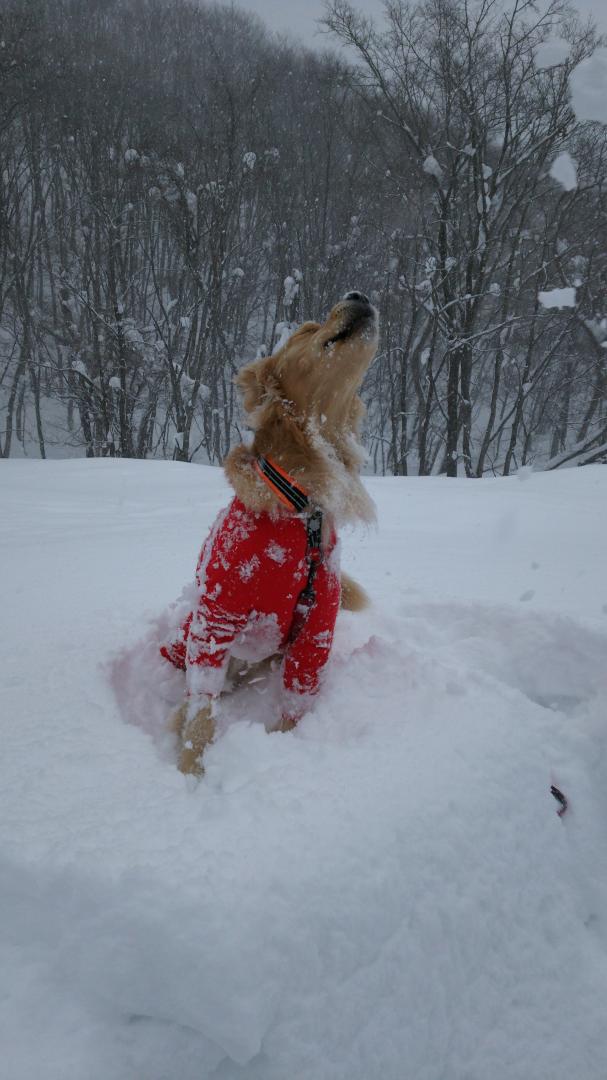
387,891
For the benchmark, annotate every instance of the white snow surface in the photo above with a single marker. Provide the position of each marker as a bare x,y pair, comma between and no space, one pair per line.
386,892
557,298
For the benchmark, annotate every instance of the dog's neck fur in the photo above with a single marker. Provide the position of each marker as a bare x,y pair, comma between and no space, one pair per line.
326,470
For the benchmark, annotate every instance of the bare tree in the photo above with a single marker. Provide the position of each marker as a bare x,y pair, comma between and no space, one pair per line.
178,189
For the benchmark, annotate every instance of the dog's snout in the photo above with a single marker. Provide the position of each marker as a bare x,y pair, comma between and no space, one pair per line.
360,296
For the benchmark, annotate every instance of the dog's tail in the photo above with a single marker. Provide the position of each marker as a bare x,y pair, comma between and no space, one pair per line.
353,596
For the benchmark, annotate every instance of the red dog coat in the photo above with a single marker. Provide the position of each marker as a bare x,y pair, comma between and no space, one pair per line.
250,573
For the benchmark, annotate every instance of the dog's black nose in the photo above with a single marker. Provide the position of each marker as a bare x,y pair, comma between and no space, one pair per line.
357,296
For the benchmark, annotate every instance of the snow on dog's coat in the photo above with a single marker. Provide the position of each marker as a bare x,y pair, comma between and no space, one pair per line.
247,602
304,411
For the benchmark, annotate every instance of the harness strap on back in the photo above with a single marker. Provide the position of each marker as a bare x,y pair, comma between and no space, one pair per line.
314,555
291,495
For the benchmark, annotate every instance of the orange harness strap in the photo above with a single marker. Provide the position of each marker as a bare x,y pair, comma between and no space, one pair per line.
283,485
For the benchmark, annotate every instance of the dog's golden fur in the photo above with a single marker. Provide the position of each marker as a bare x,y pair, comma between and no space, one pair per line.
303,407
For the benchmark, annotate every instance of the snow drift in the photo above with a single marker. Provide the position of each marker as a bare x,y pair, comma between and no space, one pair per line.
388,891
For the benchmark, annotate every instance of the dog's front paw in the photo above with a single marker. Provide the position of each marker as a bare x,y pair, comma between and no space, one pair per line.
195,733
287,722
178,719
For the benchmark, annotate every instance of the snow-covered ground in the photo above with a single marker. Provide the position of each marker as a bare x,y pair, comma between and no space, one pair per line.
385,893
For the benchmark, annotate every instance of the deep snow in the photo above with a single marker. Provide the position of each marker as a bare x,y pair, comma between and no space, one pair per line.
386,893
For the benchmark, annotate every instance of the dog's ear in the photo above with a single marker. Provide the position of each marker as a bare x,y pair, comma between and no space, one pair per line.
256,381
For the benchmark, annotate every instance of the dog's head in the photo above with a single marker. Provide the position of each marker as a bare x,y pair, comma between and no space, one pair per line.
318,371
302,402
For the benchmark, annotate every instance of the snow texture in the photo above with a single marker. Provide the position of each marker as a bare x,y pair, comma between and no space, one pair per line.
432,167
564,170
386,892
283,333
557,298
588,79
291,289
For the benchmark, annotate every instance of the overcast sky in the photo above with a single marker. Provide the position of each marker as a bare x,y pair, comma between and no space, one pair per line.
299,16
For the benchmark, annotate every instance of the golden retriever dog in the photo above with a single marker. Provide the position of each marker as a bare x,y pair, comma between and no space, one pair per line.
268,574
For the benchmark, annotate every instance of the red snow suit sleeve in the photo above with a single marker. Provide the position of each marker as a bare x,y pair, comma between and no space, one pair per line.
212,632
220,615
307,655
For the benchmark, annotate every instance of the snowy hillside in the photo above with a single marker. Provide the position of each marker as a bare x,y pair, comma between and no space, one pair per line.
387,892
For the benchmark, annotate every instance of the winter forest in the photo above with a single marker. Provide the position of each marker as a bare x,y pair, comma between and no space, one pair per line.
180,186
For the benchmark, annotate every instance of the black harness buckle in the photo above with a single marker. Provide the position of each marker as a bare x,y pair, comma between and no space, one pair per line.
314,555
